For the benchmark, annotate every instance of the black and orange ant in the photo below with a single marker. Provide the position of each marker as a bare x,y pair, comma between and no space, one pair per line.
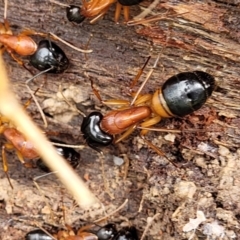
180,95
95,9
45,56
25,150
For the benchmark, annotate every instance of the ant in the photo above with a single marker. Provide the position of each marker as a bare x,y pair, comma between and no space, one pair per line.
180,95
45,56
107,232
25,149
96,9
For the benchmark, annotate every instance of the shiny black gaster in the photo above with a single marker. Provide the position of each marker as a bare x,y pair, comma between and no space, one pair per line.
71,156
186,92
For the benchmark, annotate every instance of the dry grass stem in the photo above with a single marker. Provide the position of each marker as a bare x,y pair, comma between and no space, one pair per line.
10,108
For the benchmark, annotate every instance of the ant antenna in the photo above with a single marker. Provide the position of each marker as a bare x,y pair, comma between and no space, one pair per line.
5,165
158,151
40,73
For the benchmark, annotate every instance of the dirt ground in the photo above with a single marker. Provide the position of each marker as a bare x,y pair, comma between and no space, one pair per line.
199,199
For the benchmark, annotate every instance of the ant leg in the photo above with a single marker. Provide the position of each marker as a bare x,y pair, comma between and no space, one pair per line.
5,164
96,7
158,151
95,91
125,134
110,101
149,122
19,61
167,130
117,12
20,158
143,99
28,102
99,15
126,13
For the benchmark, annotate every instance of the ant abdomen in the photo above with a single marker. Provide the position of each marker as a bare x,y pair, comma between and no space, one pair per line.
184,93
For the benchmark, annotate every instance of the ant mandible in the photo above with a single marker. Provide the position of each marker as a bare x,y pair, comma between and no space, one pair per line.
45,56
180,95
95,9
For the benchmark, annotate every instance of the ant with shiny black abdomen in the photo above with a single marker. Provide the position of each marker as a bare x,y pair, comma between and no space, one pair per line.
107,232
45,56
95,9
179,96
25,150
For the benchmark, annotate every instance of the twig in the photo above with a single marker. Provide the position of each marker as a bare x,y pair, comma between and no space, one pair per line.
148,225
